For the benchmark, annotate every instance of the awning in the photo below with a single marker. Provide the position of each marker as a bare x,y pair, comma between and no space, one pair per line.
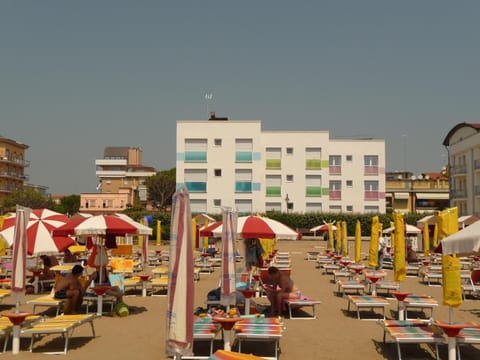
401,195
433,196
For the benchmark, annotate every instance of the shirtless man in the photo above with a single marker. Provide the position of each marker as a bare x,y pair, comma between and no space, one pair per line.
280,287
70,287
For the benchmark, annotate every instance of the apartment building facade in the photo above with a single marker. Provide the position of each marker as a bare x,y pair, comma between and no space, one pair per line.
237,164
12,166
121,181
463,145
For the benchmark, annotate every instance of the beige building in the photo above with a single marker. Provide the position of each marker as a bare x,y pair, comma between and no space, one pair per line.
121,183
463,145
12,166
407,193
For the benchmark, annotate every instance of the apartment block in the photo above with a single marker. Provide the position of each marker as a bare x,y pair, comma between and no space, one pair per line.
234,163
12,166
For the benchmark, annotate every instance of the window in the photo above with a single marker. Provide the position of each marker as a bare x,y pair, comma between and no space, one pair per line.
350,208
195,150
349,183
335,208
198,206
313,207
217,172
371,209
243,207
217,202
273,185
196,180
335,190
289,178
273,158
371,164
335,165
313,185
349,157
371,190
273,206
217,142
313,158
289,151
243,150
243,180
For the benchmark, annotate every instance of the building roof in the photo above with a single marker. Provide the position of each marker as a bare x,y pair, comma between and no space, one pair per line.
13,142
435,176
446,141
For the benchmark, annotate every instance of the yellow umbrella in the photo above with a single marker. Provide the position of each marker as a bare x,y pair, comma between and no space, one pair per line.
194,233
447,222
358,242
267,245
205,238
426,239
159,233
373,251
338,247
435,235
399,266
344,239
330,236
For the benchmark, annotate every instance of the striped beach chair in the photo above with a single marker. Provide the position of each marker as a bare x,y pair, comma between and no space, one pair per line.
366,302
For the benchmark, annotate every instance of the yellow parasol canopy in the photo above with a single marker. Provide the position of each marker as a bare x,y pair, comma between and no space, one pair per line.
373,251
358,242
399,266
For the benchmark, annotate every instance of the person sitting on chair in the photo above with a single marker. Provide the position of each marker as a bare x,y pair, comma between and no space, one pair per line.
70,287
113,290
280,286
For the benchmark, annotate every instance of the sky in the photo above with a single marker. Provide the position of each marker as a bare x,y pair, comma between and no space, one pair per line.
76,77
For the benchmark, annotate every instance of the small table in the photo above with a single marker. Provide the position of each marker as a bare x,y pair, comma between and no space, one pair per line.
145,278
400,296
17,320
227,325
36,277
452,330
422,302
100,290
248,294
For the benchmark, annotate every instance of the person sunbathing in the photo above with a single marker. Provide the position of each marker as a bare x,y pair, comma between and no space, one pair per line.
279,287
114,290
70,287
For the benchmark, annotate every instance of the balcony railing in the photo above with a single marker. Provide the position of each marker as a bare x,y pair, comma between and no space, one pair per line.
335,195
24,163
313,164
195,156
313,191
243,156
476,164
196,186
370,170
477,190
334,170
459,194
459,170
274,164
371,195
273,191
243,186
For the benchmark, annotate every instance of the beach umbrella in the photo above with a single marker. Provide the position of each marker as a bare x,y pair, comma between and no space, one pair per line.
19,266
260,227
358,242
208,230
323,227
447,222
373,250
40,225
426,240
344,239
435,235
228,256
142,227
399,265
145,244
338,238
97,225
463,242
179,337
408,229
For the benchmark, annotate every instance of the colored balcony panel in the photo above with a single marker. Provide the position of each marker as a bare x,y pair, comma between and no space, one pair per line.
273,191
313,191
243,156
196,186
243,186
274,164
313,164
196,156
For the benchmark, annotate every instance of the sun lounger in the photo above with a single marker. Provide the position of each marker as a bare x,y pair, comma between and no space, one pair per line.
302,301
420,302
6,327
260,329
367,301
344,285
342,273
468,336
387,286
47,301
159,283
412,332
204,329
5,293
62,324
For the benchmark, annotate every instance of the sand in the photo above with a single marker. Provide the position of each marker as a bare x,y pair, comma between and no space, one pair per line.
335,334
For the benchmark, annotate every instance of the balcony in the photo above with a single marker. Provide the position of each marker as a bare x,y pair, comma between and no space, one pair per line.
274,191
371,170
335,195
313,164
371,196
111,162
196,186
243,186
459,194
313,191
334,170
476,164
24,163
273,164
243,156
459,170
195,156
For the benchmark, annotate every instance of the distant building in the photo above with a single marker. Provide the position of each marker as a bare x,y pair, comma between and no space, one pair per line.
237,164
407,193
463,145
121,176
12,166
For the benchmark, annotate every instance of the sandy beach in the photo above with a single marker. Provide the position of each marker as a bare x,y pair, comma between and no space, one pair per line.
335,334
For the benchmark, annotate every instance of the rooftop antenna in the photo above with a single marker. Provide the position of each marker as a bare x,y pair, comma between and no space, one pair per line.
210,109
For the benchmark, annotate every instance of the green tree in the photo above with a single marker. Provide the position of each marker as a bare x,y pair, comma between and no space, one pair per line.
161,187
69,204
29,198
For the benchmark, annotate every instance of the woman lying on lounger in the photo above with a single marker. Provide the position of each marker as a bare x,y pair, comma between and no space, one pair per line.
280,286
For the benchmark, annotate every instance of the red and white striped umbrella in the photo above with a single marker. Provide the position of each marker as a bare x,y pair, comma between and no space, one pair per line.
96,225
261,227
208,230
39,231
179,339
228,256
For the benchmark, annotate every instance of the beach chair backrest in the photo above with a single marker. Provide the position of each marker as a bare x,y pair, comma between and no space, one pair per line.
475,276
117,280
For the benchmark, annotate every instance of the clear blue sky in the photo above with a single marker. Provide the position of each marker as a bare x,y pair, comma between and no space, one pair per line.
76,77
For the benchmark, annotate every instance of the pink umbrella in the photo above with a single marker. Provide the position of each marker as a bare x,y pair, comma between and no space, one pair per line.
39,231
180,281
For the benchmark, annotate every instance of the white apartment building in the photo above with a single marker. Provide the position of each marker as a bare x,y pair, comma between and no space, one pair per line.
237,164
463,145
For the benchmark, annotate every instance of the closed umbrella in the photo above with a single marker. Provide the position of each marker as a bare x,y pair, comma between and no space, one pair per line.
330,237
179,338
344,239
426,240
358,242
399,265
338,238
373,251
